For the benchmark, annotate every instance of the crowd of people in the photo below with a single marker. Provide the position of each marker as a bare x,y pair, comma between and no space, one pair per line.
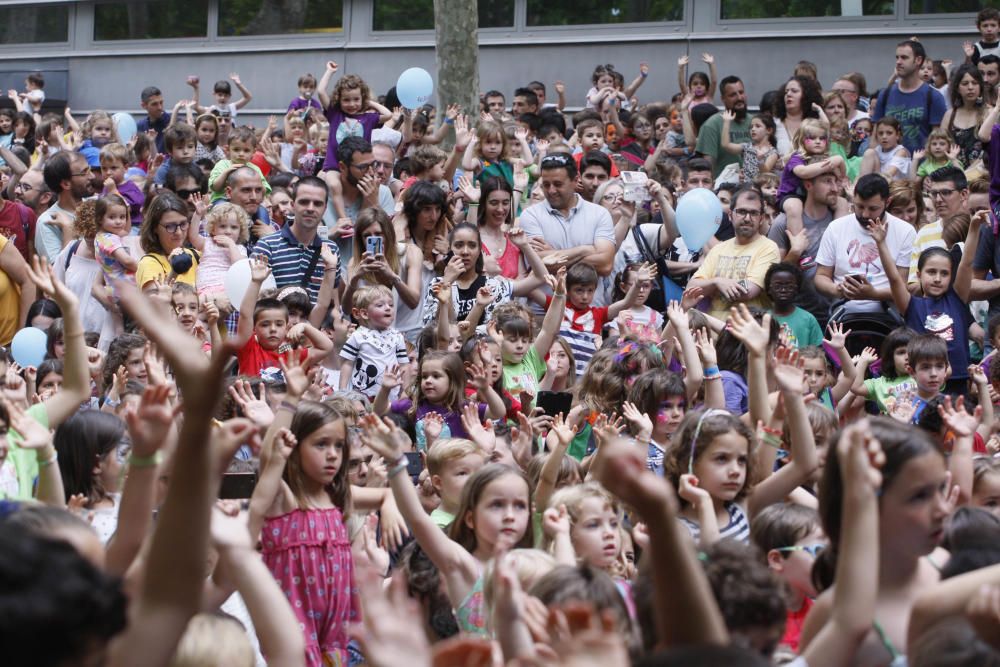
325,393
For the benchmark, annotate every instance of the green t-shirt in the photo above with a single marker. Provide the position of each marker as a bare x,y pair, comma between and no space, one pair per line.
442,519
801,328
524,376
710,141
928,166
880,389
19,472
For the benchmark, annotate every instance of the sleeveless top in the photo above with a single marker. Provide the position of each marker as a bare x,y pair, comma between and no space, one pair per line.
471,614
970,148
752,161
893,159
737,529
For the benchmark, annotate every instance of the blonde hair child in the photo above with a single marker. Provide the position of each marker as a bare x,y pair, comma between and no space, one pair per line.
940,151
228,230
810,158
489,153
582,525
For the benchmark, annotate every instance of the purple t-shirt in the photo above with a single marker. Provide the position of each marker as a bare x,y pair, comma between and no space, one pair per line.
299,104
789,181
342,126
132,194
452,420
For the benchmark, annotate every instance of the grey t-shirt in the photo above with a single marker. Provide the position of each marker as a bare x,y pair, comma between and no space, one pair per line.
809,298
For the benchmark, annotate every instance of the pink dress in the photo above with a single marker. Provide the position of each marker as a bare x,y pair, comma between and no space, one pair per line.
309,554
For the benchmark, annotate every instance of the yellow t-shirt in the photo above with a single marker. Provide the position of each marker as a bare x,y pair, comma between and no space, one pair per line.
10,304
154,265
740,262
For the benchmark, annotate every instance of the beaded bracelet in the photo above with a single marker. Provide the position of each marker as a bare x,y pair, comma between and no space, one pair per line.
49,461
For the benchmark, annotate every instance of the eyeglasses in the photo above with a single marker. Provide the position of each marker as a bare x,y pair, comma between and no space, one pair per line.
383,165
23,187
186,194
175,227
845,91
746,213
611,196
82,173
364,166
355,464
812,549
557,160
943,192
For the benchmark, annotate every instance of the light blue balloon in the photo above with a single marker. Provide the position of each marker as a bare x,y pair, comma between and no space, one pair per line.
28,346
699,214
414,88
125,125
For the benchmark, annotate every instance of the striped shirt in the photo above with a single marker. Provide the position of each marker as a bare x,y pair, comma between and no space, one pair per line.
737,529
289,260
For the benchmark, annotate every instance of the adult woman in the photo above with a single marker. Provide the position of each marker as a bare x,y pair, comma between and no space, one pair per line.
464,273
495,201
965,117
17,292
639,142
78,268
397,267
906,202
92,448
164,228
42,313
425,211
834,106
794,104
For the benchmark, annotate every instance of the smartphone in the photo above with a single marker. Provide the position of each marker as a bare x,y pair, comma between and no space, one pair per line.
414,465
373,244
555,402
237,485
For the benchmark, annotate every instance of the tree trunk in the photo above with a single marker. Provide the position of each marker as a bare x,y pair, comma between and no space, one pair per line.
456,31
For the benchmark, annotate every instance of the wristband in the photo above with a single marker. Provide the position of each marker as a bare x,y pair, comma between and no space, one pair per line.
712,371
49,461
558,294
717,376
449,121
772,440
112,403
643,74
145,461
772,431
398,468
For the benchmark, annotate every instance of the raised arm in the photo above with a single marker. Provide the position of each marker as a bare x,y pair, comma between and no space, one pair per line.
725,143
755,336
554,315
682,83
637,81
838,342
963,276
259,271
713,74
897,284
247,95
324,83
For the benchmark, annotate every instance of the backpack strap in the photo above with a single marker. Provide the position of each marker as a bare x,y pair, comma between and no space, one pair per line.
72,251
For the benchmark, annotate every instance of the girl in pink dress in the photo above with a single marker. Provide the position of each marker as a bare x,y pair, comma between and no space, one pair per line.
301,499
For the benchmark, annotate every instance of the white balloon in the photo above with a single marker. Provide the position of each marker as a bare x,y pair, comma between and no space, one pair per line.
238,280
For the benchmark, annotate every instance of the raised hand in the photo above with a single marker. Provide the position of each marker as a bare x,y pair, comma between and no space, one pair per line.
555,521
433,425
150,422
296,377
392,377
960,422
259,269
691,492
838,337
563,430
44,277
33,434
382,436
255,409
754,335
707,58
478,432
788,371
683,61
860,457
469,189
640,422
706,348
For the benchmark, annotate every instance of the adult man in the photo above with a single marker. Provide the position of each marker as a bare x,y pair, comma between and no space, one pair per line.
525,101
495,102
151,100
849,91
699,175
709,144
914,103
361,185
245,188
294,252
733,271
385,160
31,191
801,249
565,222
67,174
989,67
595,168
949,190
848,264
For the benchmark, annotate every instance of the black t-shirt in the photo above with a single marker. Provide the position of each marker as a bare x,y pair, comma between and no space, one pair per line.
467,298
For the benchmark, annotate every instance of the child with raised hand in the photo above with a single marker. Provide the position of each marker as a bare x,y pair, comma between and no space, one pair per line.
942,309
810,158
581,525
760,154
699,86
493,516
894,375
817,367
263,335
717,449
656,406
643,322
351,110
889,158
939,152
523,359
375,345
227,228
489,154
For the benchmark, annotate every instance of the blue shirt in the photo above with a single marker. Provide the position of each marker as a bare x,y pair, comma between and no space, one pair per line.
290,260
948,318
917,112
159,125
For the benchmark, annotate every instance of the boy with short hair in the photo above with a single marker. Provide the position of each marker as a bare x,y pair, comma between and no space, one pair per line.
524,359
180,141
988,25
450,463
375,346
306,99
242,144
223,94
782,284
426,164
115,161
263,335
927,363
582,323
589,136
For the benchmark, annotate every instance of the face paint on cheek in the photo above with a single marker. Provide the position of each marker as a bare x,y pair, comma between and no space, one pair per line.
662,417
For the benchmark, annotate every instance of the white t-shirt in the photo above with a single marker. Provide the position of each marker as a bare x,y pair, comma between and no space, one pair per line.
850,249
372,352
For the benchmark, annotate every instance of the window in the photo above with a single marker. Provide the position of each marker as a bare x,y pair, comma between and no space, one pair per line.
279,17
947,6
150,19
784,9
582,12
31,24
419,14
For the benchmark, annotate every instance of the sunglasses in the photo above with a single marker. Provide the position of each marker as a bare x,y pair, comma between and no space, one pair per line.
812,549
187,194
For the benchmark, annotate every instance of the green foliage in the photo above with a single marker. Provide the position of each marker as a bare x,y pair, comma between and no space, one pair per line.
948,6
150,20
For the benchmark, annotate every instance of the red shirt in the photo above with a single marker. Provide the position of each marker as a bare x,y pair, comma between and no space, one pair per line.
17,224
590,319
253,358
794,620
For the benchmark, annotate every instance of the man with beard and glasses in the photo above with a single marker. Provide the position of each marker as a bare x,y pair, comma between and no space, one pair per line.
362,184
848,265
68,175
709,145
733,271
